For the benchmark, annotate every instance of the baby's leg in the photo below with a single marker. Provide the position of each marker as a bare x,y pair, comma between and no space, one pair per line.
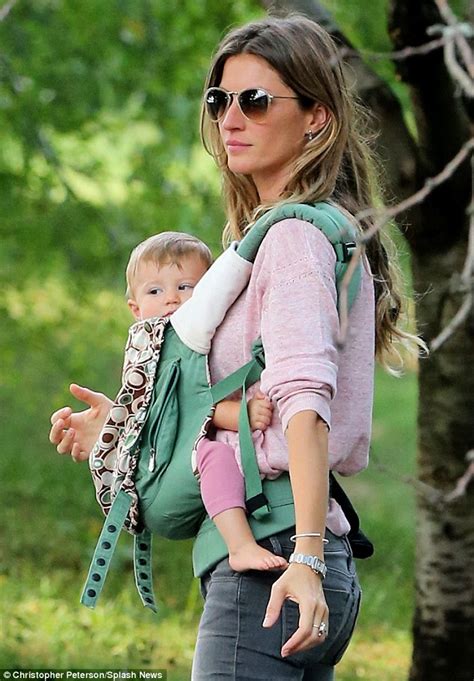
223,494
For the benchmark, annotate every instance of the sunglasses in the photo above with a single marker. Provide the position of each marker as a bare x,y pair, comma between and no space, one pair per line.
253,103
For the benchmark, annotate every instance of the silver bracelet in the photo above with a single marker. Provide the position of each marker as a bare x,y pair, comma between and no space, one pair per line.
308,534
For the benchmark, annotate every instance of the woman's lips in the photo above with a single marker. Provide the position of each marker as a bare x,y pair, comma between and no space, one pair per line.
235,145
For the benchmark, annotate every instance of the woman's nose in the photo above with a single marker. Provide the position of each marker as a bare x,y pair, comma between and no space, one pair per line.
234,117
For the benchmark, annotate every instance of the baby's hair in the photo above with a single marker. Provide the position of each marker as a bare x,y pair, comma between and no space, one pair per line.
164,248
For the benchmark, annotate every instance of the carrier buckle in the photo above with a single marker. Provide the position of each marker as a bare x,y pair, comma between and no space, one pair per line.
347,249
256,502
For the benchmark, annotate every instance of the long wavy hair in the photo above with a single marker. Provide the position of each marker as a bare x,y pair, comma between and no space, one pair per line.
337,165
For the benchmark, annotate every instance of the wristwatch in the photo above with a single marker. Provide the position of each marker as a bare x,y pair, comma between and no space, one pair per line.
315,563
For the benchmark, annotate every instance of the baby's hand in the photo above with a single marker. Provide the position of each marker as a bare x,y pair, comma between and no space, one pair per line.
260,411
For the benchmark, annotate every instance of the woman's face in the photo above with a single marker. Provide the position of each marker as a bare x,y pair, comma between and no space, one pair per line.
268,149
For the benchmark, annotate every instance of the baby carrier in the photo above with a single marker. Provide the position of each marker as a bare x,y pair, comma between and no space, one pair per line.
144,462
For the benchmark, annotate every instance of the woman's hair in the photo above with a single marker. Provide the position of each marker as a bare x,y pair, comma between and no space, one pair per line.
164,248
336,165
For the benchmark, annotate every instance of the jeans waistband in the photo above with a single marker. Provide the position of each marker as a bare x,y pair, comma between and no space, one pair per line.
281,543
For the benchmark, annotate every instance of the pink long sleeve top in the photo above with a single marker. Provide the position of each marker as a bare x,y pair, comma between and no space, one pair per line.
291,303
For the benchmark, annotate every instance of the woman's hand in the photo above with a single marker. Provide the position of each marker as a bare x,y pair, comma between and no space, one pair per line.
75,433
300,584
260,410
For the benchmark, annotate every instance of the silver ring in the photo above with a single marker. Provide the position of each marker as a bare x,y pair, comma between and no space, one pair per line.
322,628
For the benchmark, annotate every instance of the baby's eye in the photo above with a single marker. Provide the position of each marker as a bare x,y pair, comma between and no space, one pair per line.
155,291
185,287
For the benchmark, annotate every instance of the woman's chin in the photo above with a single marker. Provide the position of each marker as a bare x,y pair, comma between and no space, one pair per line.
240,166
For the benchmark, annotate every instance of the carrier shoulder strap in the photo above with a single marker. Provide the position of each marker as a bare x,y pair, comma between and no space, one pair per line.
329,219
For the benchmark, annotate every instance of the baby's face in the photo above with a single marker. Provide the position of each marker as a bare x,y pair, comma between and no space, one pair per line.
160,289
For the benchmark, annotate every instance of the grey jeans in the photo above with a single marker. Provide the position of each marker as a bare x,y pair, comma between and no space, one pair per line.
232,645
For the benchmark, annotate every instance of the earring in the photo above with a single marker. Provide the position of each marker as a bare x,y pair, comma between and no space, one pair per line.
310,135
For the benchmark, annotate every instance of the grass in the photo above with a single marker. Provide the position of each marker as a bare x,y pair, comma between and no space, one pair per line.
50,524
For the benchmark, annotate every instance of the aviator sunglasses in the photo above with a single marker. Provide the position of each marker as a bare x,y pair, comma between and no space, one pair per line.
253,102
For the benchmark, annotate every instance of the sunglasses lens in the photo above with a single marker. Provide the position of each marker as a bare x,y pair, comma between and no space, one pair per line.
254,103
216,102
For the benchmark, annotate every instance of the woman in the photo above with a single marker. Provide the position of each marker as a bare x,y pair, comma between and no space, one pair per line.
279,121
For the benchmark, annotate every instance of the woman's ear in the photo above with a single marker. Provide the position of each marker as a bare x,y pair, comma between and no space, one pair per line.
134,309
320,116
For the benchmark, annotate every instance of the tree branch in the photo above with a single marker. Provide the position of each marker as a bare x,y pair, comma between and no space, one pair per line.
458,35
458,319
396,55
434,497
462,483
429,186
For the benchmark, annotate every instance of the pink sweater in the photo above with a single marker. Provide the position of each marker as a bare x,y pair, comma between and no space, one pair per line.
291,303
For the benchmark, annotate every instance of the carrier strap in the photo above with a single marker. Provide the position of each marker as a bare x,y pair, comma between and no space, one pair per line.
243,378
255,500
105,548
229,384
323,215
104,552
142,569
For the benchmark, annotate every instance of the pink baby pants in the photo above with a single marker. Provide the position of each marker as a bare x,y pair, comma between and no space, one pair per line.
222,484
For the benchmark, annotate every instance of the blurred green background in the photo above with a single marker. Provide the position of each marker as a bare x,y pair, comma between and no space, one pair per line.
99,148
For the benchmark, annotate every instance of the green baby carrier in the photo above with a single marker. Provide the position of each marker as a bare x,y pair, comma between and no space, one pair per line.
144,462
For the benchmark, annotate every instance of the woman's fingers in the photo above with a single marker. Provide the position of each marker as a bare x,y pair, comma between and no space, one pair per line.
274,606
309,632
300,639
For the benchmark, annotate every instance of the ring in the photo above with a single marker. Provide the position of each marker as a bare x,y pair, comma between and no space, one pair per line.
322,628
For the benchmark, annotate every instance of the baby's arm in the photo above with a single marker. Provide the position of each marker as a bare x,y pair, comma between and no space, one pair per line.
226,415
260,411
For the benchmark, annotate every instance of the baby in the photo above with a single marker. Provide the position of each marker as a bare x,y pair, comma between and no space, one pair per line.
161,275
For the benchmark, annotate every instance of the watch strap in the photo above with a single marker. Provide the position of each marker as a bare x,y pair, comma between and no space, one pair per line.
315,563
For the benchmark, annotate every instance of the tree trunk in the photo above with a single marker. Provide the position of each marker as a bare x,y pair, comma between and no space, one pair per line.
443,627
